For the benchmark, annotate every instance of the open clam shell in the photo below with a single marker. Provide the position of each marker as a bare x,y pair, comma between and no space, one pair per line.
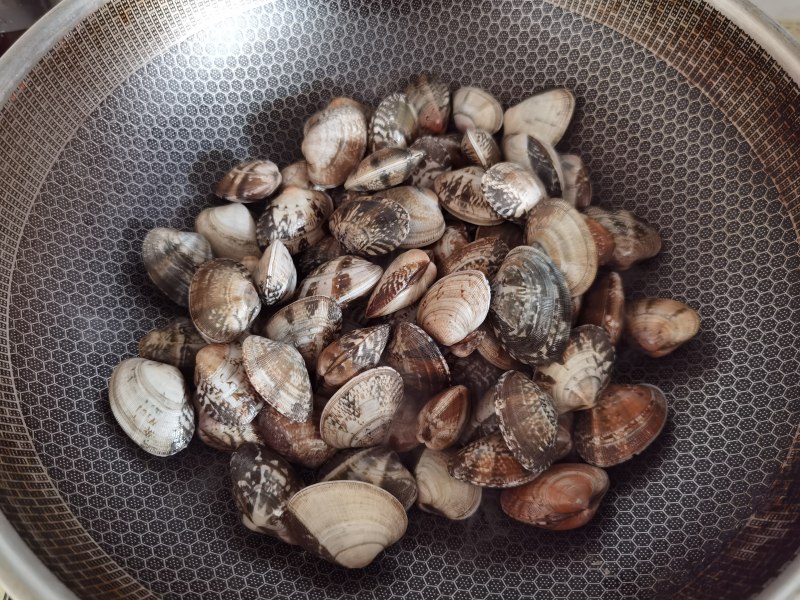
484,255
394,124
488,462
275,276
175,344
538,156
634,240
461,195
474,107
436,160
658,326
296,218
334,142
298,442
422,206
370,226
230,230
171,258
604,305
442,419
223,389
576,187
480,148
545,115
431,101
455,306
512,191
249,181
344,279
349,355
383,169
404,282
439,492
418,359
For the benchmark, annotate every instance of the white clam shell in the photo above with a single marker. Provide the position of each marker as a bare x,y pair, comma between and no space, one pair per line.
474,107
545,115
439,492
275,276
334,142
455,306
230,230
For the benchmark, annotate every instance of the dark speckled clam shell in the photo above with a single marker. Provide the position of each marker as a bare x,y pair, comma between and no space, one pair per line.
414,354
295,217
370,226
488,462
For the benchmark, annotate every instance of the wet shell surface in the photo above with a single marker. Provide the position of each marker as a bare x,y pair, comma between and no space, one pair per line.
418,359
576,187
383,169
455,306
431,101
545,115
422,205
488,462
566,496
634,240
175,344
323,251
461,195
378,466
223,389
223,436
343,279
476,108
370,226
350,355
394,124
484,255
604,305
603,241
439,492
405,281
582,372
660,325
230,230
468,345
296,175
249,181
347,523
562,232
442,419
360,412
480,148
171,258
334,142
278,374
275,276
436,160
150,402
493,352
512,191
299,443
296,218
453,238
626,420
222,300
540,157
511,234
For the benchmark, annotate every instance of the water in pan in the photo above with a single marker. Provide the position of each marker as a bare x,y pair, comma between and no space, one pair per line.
150,155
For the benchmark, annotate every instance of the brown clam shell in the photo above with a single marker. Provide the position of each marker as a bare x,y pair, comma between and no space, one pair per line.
603,241
461,195
175,344
576,187
402,435
455,306
488,462
351,354
344,279
296,174
334,142
493,352
296,218
422,206
564,445
431,101
473,372
436,160
223,390
660,325
383,169
171,258
453,238
249,181
512,191
404,282
298,442
482,419
418,359
634,240
480,148
223,436
604,305
442,419
323,251
370,226
469,344
439,492
484,255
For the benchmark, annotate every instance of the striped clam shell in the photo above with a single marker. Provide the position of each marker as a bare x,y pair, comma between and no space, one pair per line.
509,232
436,160
453,238
175,344
230,230
430,97
171,258
488,462
460,193
576,187
442,419
349,355
223,390
439,492
394,124
275,276
326,249
296,218
658,326
223,436
299,443
370,226
249,181
422,206
417,358
484,255
344,279
383,169
480,148
540,157
634,240
604,305
455,306
404,282
512,191
334,142
473,372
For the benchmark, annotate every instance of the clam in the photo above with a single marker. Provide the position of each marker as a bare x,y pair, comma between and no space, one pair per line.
576,187
528,420
418,359
453,238
483,418
349,355
150,402
422,206
278,374
365,109
473,372
403,283
250,262
436,160
484,255
488,462
442,419
634,240
223,389
308,324
560,231
461,195
323,251
578,377
360,412
402,434
378,466
545,115
344,279
171,258
175,344
347,523
229,229
512,191
603,241
511,234
298,442
430,98
333,144
493,352
222,300
296,175
480,148
476,108
468,345
531,308
540,157
451,142
439,492
370,226
249,181
263,483
564,436
604,305
454,306
296,218
275,276
659,325
223,436
564,497
383,169
625,421
394,124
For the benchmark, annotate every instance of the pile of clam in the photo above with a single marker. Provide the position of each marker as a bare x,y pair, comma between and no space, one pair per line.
408,316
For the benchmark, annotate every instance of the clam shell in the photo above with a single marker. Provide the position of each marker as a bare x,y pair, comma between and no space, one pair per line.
418,359
452,144
484,255
660,325
512,191
476,108
296,175
439,492
442,419
488,462
344,279
564,444
351,354
308,324
422,205
379,466
150,402
175,344
223,389
222,436
278,374
528,420
468,345
222,300
263,483
576,379
604,305
531,309
493,352
537,156
370,226
482,419
453,238
455,306
626,420
383,169
436,160
347,523
365,109
403,283
323,251
562,232
299,443
564,497
394,124
576,187
480,148
249,181
431,101
545,115
460,193
230,230
171,258
473,372
296,218
333,144
603,241
634,240
402,435
511,234
275,276
250,262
